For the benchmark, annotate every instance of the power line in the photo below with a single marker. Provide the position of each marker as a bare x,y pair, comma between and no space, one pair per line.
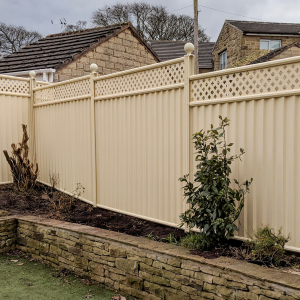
223,11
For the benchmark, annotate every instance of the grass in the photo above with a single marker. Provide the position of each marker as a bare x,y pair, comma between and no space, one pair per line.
31,280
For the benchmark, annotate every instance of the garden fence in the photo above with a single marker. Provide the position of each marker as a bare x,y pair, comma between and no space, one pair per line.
126,137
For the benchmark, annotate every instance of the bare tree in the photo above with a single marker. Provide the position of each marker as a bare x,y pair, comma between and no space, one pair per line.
13,38
153,22
80,25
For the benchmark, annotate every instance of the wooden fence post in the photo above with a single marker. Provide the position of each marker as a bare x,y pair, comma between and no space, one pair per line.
188,71
93,75
31,119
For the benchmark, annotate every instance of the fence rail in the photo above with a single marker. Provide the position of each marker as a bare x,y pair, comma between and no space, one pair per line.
126,137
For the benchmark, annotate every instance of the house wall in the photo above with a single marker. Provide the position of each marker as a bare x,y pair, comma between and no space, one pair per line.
120,53
239,46
230,39
251,43
293,51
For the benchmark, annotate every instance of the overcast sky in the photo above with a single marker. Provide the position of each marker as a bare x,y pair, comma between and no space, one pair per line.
37,14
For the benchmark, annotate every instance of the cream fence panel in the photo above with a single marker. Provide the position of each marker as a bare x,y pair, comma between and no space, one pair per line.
268,129
14,111
140,152
141,118
63,135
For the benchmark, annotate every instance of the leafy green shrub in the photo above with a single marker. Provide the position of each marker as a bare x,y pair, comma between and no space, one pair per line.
265,243
212,201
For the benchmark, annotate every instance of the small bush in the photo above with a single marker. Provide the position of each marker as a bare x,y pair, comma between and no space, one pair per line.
22,170
60,201
265,243
214,205
196,241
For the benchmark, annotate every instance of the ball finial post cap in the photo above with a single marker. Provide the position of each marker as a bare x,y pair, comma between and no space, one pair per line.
93,68
32,74
189,48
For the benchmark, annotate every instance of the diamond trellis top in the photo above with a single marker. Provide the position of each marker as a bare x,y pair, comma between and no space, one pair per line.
14,86
162,76
68,90
259,81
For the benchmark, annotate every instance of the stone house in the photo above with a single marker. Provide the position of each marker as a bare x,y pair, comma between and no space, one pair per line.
64,56
167,50
239,39
261,56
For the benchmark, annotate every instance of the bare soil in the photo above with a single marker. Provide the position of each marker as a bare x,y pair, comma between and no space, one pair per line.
37,202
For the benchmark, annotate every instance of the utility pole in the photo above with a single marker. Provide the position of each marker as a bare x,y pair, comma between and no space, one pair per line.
196,36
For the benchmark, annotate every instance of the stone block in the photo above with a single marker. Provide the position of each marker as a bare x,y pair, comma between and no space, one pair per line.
176,285
126,289
55,250
139,294
128,266
224,291
151,270
154,278
134,282
117,251
96,268
164,266
203,277
242,295
119,278
182,279
189,290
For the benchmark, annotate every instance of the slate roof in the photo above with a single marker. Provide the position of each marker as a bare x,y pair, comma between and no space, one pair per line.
274,53
54,51
266,27
167,50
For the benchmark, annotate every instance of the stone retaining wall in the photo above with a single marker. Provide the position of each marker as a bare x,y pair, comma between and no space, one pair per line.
147,269
8,229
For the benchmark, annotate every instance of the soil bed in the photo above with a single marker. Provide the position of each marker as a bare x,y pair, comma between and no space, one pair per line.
35,203
38,203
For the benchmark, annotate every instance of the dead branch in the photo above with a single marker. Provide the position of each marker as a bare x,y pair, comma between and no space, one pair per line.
23,173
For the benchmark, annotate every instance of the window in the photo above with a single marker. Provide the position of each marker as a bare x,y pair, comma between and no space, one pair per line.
223,60
270,44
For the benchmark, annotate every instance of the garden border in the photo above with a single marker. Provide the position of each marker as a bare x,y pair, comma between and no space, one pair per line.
142,268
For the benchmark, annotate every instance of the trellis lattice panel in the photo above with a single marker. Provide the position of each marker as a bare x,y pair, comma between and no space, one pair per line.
141,150
141,80
41,84
63,91
269,131
13,113
63,144
9,85
249,82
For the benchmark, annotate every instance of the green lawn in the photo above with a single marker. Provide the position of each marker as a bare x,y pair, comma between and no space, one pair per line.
32,280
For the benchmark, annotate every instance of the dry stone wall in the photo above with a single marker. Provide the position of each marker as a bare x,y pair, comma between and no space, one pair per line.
119,53
8,230
147,269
